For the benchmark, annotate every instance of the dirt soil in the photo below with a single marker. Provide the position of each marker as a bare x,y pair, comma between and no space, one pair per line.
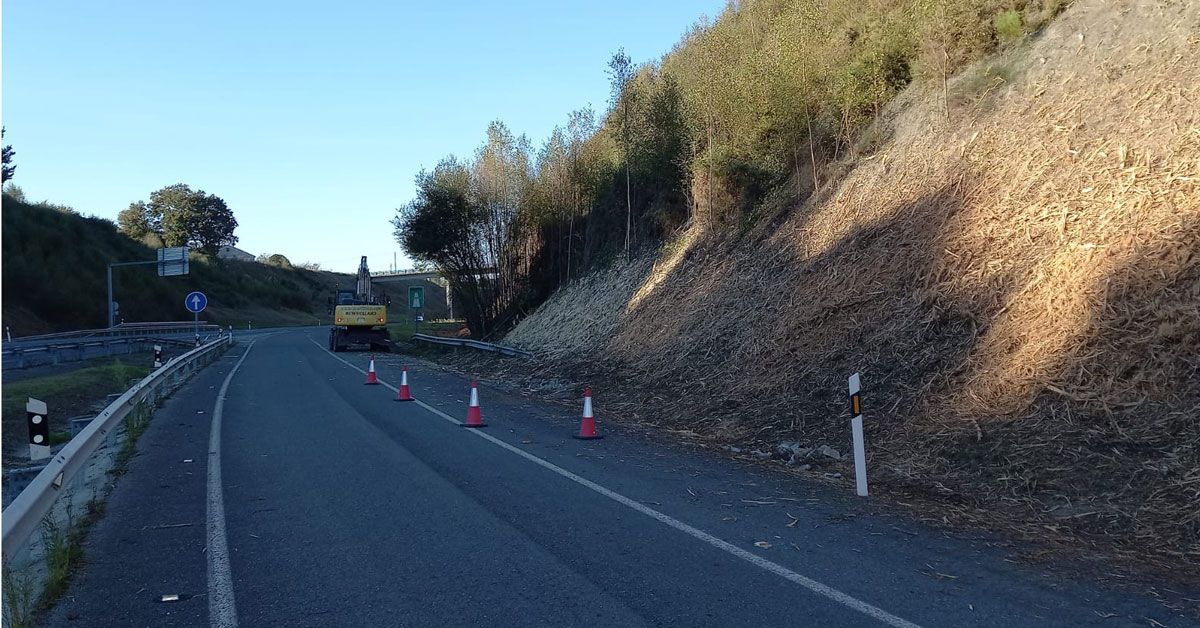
1015,271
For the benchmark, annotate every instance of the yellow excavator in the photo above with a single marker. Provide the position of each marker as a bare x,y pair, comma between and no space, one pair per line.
358,317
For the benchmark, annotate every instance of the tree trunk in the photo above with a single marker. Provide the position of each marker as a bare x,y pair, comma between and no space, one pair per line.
628,204
628,196
571,233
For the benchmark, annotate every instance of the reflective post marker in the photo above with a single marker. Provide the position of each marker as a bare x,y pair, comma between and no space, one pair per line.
856,426
158,356
39,429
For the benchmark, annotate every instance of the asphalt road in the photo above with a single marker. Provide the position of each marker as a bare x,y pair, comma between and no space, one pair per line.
337,506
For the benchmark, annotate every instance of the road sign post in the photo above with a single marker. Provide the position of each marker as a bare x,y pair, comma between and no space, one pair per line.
416,301
171,262
195,302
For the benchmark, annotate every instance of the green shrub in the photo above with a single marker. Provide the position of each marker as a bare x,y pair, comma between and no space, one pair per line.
1008,26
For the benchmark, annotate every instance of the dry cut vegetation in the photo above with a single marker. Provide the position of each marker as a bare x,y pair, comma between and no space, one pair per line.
1015,269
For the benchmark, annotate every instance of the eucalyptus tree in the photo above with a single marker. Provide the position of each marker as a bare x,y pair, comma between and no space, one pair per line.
620,74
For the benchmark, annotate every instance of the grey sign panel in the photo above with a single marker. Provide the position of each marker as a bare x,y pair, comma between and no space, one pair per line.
173,261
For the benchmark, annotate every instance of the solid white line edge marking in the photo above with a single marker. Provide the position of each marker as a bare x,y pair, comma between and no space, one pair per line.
812,585
222,612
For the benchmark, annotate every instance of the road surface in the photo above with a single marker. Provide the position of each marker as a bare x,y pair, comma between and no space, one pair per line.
320,501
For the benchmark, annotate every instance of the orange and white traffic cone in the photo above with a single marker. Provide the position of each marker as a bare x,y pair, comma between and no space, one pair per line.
371,378
404,395
587,425
474,412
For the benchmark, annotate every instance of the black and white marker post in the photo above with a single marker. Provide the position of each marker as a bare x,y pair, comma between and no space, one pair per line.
856,426
157,356
39,429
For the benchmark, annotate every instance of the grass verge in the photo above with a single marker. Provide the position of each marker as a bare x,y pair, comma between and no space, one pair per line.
404,329
67,395
136,423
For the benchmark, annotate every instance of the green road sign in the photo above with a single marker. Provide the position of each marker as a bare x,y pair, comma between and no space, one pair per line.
416,297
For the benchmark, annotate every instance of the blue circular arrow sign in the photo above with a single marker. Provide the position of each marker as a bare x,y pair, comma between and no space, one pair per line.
195,302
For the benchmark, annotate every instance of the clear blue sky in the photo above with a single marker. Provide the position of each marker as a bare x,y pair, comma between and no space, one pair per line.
309,119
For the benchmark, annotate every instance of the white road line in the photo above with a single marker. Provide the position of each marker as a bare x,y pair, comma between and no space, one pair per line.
812,585
221,609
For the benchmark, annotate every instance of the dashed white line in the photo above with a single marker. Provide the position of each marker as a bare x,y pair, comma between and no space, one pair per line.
222,612
819,588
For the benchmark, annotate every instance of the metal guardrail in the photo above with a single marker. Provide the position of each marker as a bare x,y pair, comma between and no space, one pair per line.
474,344
58,352
124,329
23,517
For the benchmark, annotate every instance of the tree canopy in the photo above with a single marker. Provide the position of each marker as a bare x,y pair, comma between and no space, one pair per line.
181,216
9,168
749,114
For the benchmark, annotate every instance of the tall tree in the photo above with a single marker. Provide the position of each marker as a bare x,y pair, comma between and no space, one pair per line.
663,156
182,217
620,74
445,226
550,205
581,126
9,168
212,223
134,221
500,184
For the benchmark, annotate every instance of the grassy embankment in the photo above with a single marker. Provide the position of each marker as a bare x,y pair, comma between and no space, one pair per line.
54,279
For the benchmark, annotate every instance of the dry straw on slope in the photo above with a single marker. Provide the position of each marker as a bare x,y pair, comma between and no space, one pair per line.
1018,279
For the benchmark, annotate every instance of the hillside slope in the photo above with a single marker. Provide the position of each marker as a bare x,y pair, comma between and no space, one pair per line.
53,279
1016,273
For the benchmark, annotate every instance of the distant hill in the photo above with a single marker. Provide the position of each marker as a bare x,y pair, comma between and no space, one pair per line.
53,279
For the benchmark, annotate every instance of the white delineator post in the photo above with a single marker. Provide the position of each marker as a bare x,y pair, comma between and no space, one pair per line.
856,426
39,429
